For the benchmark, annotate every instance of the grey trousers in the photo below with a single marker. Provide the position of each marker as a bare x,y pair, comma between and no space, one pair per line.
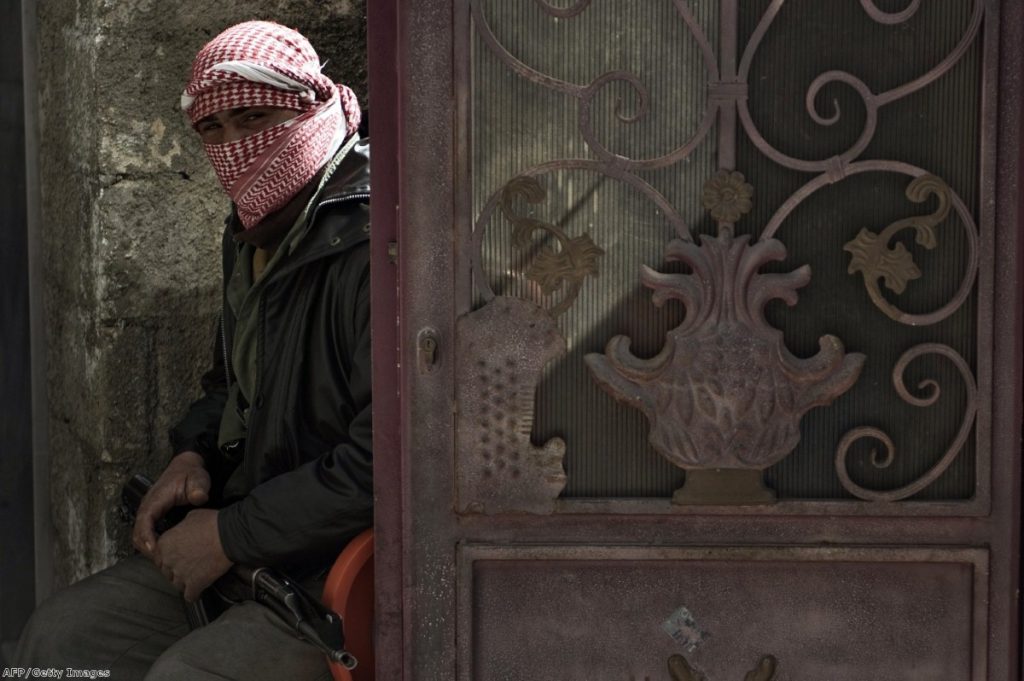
130,620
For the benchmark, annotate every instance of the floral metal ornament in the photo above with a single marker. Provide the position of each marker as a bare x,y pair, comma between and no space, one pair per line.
727,196
875,259
724,397
568,266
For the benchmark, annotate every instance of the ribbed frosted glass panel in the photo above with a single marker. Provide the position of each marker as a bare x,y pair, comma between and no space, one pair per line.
519,124
936,129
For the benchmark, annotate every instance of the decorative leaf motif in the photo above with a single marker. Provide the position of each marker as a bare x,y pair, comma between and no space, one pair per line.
925,236
551,269
572,264
522,233
875,259
871,257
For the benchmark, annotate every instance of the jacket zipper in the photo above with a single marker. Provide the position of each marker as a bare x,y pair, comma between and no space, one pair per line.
224,348
338,199
223,325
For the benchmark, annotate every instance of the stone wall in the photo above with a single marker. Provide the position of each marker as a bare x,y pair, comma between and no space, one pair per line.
131,218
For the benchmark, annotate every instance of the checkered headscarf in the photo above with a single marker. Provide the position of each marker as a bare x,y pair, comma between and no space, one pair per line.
259,63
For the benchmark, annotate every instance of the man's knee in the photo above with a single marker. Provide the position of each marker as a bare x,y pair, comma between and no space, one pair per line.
123,615
54,632
171,667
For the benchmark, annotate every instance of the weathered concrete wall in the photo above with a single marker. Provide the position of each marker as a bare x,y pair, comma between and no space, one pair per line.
132,217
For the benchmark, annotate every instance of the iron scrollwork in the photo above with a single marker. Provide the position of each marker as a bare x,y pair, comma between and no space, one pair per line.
885,460
726,104
875,259
890,17
550,269
922,185
564,12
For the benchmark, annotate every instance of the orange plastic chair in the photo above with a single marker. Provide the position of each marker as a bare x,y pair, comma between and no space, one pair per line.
349,592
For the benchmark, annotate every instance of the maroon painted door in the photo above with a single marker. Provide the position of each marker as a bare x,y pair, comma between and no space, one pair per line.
707,361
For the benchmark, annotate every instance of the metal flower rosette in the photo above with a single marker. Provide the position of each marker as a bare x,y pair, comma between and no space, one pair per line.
724,397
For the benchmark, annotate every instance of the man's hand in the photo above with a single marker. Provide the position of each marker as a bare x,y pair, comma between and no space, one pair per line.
184,482
190,554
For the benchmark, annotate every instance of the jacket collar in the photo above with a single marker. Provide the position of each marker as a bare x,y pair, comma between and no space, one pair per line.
352,176
338,218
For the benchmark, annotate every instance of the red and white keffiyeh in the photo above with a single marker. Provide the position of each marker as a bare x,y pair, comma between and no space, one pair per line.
260,63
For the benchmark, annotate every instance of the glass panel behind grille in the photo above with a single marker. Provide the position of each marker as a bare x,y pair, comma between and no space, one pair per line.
936,129
521,126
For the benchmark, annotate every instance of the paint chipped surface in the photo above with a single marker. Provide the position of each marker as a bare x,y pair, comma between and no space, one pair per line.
683,629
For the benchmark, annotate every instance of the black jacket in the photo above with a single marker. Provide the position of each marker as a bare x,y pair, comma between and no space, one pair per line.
301,482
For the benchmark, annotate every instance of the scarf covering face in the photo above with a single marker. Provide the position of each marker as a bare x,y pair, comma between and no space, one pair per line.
259,63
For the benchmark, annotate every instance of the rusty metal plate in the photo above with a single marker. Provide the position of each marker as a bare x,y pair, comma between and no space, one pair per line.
501,350
806,613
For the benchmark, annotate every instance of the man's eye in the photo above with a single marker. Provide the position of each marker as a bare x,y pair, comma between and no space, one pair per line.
207,127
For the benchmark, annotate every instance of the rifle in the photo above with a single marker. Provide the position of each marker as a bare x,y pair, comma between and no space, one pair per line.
312,622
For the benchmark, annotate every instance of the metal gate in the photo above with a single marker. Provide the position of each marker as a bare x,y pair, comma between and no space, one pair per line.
707,361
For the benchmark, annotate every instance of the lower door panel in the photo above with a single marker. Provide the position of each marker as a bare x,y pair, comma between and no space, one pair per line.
681,614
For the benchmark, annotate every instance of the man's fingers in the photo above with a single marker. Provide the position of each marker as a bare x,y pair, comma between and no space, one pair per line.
197,487
157,502
170,490
144,535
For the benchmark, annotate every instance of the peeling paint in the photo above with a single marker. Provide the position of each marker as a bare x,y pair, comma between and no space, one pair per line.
683,629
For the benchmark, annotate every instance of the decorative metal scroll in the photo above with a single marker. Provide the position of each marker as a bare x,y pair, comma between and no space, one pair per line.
725,395
885,460
872,255
549,269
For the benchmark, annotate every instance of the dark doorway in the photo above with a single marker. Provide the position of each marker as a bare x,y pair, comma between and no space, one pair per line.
17,589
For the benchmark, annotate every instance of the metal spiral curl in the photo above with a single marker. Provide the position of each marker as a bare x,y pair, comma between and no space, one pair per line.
890,18
933,391
872,101
859,86
585,93
565,12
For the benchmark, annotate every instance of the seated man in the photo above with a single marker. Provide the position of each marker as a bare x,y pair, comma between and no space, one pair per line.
279,448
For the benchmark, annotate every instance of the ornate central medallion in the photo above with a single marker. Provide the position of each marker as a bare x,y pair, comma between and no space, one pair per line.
724,397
